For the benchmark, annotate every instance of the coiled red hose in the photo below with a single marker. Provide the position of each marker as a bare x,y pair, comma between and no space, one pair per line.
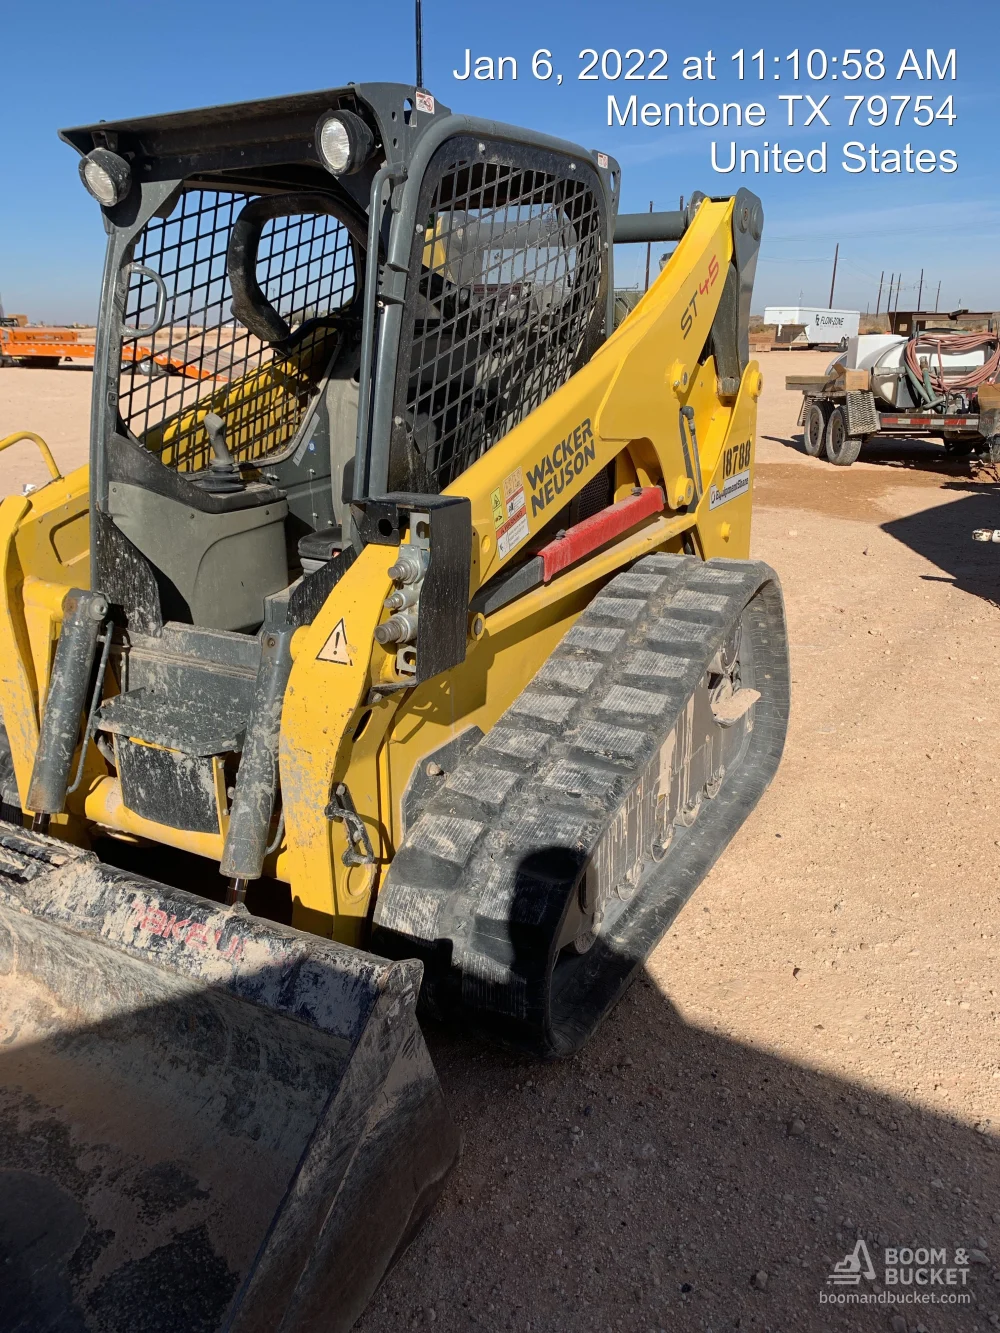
952,344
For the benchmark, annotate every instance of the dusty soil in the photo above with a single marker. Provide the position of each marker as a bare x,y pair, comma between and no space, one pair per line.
54,404
811,1056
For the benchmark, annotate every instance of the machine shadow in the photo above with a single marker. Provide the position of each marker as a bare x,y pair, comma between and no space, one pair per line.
911,455
149,1156
942,534
648,1182
794,442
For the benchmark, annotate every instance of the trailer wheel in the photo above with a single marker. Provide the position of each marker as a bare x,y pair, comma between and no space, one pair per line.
841,448
814,427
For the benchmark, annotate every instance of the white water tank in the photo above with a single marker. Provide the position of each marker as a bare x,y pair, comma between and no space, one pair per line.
882,355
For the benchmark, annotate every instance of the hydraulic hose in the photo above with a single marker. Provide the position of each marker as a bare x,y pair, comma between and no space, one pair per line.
83,613
952,344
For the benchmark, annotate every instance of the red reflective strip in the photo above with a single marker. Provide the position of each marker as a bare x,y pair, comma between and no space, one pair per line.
600,528
886,420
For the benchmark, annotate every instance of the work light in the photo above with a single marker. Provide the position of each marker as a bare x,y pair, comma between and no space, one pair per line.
106,176
344,142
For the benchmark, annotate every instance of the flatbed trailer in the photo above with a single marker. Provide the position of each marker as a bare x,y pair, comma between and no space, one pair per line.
44,348
839,414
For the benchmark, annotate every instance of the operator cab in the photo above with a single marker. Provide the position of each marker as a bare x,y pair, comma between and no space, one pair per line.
249,360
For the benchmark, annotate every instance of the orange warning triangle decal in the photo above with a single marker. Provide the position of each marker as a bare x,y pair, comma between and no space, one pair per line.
335,649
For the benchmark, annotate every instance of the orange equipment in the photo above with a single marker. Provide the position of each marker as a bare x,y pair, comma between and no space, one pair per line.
44,348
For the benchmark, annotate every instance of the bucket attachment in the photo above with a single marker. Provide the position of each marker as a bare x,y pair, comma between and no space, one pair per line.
207,1121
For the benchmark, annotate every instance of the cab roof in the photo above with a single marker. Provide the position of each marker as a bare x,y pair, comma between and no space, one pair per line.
267,132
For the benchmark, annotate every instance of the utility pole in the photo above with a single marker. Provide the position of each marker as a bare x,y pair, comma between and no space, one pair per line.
899,286
920,289
881,279
888,304
420,46
648,248
833,279
937,298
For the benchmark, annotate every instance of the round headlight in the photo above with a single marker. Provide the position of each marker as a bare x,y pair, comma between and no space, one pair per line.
344,142
107,176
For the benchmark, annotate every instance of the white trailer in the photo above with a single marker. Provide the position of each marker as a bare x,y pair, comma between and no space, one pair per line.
821,328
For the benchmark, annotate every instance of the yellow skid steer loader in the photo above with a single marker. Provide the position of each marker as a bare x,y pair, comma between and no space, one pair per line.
399,645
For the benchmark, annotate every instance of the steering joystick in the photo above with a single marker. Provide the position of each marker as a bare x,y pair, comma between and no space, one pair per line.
223,474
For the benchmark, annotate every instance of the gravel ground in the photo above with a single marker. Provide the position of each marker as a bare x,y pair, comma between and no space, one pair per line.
811,1055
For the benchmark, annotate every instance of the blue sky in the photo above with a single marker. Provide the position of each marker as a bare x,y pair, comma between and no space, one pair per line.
66,64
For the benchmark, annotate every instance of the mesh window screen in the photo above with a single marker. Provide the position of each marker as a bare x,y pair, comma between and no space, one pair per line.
201,359
507,275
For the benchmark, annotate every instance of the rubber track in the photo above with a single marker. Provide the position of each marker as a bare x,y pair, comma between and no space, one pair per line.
479,887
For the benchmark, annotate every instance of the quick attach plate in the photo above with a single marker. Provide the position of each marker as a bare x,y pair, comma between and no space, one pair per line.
442,627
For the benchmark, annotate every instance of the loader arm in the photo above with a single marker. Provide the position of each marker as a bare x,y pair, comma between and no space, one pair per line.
630,397
623,408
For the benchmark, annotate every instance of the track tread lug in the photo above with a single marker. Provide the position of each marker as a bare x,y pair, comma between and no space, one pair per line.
516,742
618,610
644,664
551,709
575,778
484,783
447,837
593,639
569,673
673,633
634,703
604,739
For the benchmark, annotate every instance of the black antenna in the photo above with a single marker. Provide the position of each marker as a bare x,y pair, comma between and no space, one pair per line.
420,47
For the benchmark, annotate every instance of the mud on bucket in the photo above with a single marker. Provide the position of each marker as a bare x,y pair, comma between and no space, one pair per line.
207,1121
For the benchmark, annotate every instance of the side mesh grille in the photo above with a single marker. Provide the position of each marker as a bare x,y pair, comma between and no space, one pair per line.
505,294
201,359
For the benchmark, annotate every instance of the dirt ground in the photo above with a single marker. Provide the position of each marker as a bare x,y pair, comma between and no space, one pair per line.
811,1056
54,404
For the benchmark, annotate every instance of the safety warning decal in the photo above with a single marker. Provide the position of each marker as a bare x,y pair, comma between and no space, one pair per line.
510,513
731,488
335,649
424,101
